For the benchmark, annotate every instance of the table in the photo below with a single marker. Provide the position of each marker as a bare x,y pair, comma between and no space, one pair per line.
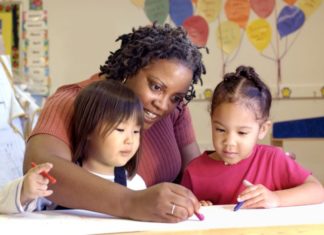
315,229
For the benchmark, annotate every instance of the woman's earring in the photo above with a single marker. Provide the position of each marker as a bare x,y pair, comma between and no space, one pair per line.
124,80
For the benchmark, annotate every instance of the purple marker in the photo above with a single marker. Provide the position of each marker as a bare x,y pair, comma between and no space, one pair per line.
240,204
200,216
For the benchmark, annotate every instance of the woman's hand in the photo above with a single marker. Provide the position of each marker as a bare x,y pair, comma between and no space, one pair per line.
164,202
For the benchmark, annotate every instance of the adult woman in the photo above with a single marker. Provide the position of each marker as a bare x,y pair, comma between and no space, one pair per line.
161,65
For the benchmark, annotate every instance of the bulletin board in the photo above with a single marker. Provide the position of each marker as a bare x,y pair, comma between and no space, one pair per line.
9,37
241,31
6,32
24,38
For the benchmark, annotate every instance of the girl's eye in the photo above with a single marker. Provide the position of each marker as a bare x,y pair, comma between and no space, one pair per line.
242,133
136,132
220,130
120,129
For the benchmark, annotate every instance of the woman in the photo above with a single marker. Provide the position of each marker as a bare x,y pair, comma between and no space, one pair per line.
161,65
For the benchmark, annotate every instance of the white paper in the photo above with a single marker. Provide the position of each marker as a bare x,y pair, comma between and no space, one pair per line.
85,222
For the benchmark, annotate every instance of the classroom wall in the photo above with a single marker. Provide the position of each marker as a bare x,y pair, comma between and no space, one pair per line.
82,32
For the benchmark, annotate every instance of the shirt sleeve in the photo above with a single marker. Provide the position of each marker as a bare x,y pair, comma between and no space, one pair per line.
292,173
56,114
10,197
183,127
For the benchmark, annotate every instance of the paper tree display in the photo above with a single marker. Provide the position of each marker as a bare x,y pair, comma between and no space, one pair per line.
240,16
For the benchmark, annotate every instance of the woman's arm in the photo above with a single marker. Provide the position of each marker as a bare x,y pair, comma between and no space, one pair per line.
76,188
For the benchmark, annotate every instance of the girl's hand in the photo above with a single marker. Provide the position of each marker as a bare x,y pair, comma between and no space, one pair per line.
258,196
206,203
34,184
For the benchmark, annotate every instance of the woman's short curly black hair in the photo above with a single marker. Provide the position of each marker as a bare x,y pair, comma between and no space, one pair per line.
146,44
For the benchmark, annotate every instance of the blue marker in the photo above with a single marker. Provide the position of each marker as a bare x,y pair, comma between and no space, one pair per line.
240,204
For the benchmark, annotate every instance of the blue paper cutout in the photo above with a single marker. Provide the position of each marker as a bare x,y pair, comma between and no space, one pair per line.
290,19
180,10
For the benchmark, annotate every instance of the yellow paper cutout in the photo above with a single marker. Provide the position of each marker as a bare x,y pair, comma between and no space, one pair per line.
259,34
209,9
138,3
228,36
309,6
6,18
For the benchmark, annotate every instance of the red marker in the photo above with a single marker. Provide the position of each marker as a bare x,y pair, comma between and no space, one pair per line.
200,216
45,174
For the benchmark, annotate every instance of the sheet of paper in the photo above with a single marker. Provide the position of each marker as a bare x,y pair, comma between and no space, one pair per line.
86,222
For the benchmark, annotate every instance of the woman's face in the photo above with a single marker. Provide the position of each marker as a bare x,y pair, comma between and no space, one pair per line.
160,86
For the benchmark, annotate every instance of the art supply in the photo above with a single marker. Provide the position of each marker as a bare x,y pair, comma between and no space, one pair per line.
201,217
45,174
240,204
